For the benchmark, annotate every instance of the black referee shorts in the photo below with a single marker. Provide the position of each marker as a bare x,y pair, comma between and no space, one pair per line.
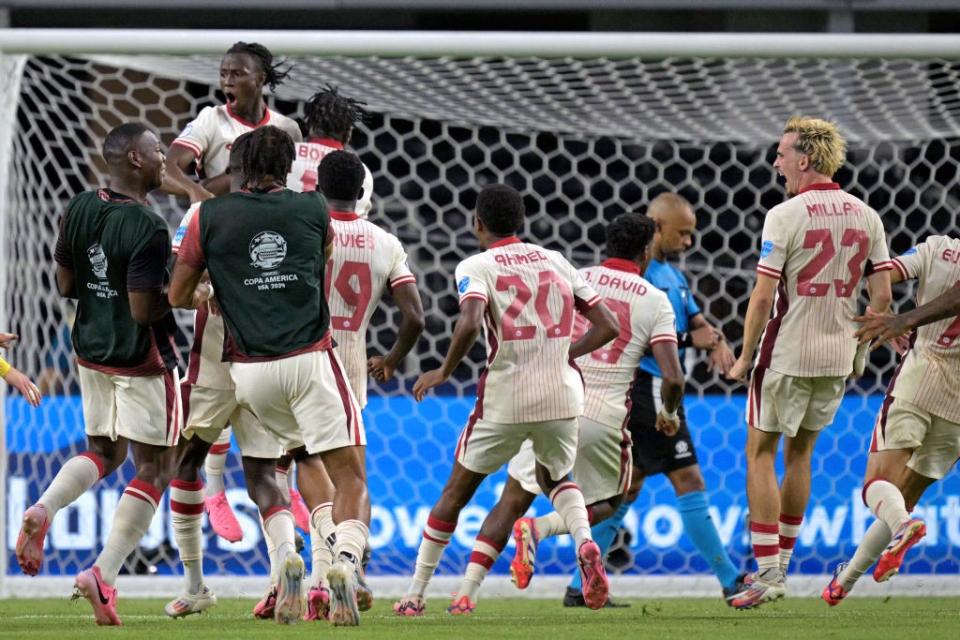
654,452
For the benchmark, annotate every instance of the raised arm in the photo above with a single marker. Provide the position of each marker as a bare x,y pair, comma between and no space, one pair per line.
177,182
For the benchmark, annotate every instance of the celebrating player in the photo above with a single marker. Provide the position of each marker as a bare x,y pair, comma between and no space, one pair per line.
265,250
602,468
524,296
207,411
656,451
816,248
329,117
112,255
366,262
206,142
916,439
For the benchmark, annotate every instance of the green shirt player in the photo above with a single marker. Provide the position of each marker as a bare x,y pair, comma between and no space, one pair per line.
266,249
112,255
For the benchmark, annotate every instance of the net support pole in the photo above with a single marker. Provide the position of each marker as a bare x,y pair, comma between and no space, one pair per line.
11,71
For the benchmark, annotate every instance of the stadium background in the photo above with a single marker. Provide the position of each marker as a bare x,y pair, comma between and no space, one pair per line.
580,164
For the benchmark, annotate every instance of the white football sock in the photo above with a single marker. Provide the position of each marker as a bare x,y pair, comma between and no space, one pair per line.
886,502
186,515
436,536
875,540
279,526
75,477
550,525
484,554
321,528
568,502
351,540
216,462
130,522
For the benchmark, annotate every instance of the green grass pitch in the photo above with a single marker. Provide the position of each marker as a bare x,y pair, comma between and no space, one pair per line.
899,618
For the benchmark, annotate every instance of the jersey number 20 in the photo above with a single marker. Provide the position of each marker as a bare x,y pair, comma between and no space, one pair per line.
522,294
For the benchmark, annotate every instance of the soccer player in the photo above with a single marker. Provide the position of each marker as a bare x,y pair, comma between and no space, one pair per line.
367,261
265,249
329,117
207,411
112,255
916,439
656,451
16,378
602,468
206,141
816,247
524,296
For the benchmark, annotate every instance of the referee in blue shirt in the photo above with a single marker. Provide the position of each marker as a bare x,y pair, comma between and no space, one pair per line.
654,452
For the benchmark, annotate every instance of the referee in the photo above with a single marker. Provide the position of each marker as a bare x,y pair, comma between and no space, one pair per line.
654,452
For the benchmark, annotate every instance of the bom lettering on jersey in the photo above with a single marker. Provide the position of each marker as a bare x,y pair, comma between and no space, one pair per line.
615,282
820,210
311,152
509,259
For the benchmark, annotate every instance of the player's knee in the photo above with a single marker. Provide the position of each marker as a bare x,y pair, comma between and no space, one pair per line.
687,480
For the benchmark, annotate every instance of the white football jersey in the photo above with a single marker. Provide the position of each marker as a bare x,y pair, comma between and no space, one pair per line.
366,260
211,134
819,244
645,317
531,295
204,366
929,374
303,173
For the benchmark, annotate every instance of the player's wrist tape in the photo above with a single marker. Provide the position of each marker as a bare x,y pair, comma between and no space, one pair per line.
669,415
4,368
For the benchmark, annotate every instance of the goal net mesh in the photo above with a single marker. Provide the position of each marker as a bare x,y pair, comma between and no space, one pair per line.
583,140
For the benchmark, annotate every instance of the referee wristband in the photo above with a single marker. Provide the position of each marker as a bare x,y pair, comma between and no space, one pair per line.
4,368
670,415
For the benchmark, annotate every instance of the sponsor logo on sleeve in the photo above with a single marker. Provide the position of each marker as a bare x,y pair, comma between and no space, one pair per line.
178,236
186,130
910,251
766,248
463,285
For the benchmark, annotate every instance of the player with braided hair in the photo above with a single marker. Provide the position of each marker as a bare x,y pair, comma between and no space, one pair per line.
206,142
329,119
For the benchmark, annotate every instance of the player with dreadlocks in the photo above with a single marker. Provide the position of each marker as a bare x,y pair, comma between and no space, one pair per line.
328,120
206,142
266,250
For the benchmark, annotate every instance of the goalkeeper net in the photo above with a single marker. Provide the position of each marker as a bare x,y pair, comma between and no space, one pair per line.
583,140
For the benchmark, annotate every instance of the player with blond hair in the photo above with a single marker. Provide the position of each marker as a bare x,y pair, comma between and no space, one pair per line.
916,438
816,248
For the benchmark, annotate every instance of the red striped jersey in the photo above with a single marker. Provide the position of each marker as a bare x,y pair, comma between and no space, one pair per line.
819,245
645,317
211,134
204,366
303,173
531,295
366,261
929,375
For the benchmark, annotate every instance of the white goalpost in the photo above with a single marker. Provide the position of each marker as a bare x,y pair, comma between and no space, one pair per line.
586,125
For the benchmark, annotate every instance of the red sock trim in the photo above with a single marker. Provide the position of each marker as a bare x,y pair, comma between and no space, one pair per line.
787,542
561,488
274,510
95,459
863,493
765,550
187,485
479,557
219,449
146,488
185,508
488,541
787,519
429,537
440,525
762,527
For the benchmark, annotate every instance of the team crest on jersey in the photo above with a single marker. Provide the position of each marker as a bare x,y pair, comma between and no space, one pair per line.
463,284
98,260
267,250
766,248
